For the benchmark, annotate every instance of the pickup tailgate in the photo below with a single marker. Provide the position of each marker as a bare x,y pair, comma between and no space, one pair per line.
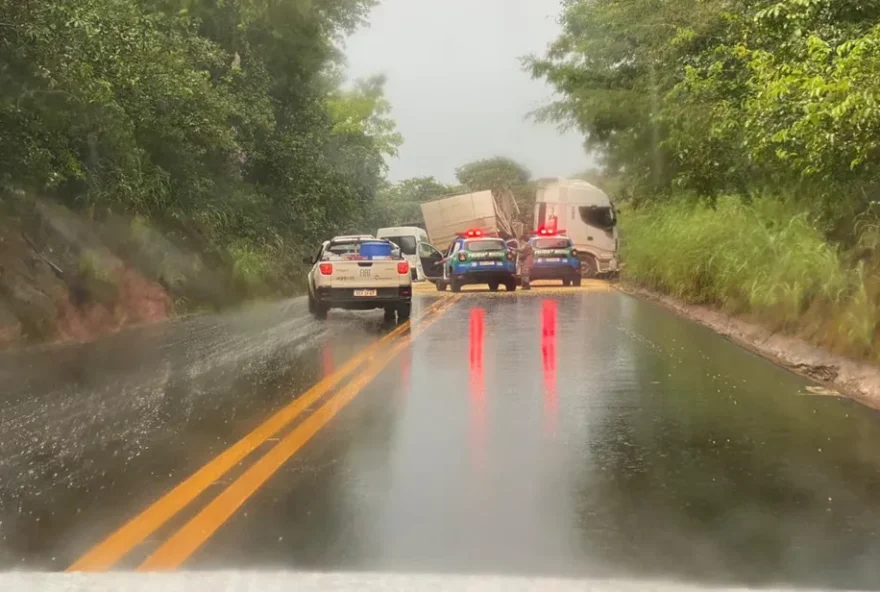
365,274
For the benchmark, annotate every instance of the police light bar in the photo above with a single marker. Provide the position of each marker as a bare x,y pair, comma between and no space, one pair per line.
475,233
548,232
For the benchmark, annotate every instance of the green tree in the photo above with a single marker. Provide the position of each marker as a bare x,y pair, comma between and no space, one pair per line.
714,96
613,65
364,110
399,203
498,173
501,175
222,121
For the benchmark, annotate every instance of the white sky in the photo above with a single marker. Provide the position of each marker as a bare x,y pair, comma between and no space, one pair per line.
456,86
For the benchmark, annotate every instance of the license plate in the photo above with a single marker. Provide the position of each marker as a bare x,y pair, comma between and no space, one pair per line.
550,260
487,262
365,292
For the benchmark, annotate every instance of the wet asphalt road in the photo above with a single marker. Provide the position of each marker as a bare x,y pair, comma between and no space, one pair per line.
556,434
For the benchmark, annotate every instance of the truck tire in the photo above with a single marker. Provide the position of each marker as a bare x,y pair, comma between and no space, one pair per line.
576,281
320,311
440,285
589,267
493,286
389,314
455,285
566,282
404,311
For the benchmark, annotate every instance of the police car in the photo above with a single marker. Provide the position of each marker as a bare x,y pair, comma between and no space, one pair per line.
478,257
360,273
555,257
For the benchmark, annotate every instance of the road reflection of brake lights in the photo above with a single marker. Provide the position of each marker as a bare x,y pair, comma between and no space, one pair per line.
327,358
548,357
477,385
404,369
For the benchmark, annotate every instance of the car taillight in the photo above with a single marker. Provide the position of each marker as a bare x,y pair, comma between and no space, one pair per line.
462,256
403,268
326,268
574,251
509,256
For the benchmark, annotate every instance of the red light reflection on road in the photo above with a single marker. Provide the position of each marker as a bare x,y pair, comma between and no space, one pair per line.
404,387
548,357
327,358
477,385
404,368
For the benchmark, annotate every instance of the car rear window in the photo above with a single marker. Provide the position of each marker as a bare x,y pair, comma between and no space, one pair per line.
367,249
481,246
552,243
407,244
342,248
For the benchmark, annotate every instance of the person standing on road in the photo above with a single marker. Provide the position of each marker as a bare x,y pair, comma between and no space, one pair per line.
527,260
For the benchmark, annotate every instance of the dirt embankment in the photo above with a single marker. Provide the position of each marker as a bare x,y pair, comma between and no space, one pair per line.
854,378
59,281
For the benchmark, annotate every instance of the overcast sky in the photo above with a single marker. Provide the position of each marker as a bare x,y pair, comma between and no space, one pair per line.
456,86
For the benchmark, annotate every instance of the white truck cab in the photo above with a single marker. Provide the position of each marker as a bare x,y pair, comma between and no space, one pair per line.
409,239
587,215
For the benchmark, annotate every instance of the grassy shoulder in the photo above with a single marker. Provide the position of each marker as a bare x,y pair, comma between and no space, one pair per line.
764,260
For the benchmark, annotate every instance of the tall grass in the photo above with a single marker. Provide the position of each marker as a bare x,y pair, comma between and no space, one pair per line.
765,259
250,267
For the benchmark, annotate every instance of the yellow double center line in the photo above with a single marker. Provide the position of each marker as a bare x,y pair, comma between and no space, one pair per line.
189,538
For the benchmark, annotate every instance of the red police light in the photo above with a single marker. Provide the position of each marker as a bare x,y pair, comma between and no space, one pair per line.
544,231
403,268
326,268
477,233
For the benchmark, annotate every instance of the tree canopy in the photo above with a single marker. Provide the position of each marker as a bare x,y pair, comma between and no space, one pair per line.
498,173
223,119
501,174
713,96
399,203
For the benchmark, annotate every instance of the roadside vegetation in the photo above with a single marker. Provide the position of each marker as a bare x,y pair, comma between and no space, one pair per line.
160,158
227,126
743,138
766,260
205,146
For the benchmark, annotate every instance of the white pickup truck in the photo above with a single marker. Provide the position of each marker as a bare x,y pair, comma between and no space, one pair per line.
360,273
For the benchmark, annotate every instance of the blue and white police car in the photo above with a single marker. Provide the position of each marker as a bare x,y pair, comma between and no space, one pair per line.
555,257
478,257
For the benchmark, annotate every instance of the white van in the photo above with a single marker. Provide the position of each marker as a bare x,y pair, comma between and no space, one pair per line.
410,239
587,215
